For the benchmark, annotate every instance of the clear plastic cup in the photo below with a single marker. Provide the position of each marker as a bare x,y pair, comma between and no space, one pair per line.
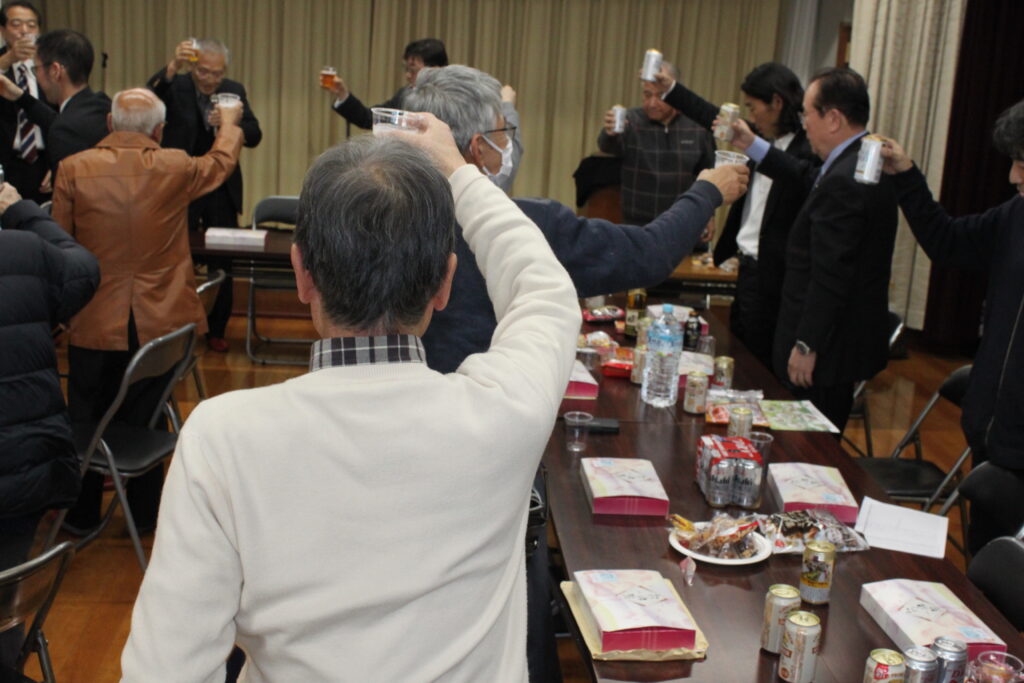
328,75
725,158
387,121
706,345
194,56
577,424
763,443
226,100
995,667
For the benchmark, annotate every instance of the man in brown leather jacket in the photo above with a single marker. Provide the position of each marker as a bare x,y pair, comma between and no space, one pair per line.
126,200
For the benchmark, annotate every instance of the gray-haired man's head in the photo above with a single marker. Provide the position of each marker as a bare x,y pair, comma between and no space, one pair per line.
138,111
375,232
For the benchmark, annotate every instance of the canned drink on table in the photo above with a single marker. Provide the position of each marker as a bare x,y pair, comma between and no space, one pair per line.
652,65
724,368
816,572
801,640
869,161
922,665
741,420
720,476
636,375
884,666
952,659
728,114
620,118
696,396
747,477
781,600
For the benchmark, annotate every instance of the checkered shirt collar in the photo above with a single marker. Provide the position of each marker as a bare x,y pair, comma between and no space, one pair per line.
344,351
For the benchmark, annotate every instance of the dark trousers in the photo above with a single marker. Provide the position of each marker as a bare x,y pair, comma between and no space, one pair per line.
216,210
835,402
16,535
93,380
753,313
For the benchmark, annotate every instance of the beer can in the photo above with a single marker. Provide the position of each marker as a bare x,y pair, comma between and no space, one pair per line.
724,368
869,161
746,483
636,375
636,304
696,396
779,602
816,572
922,665
652,65
741,420
728,114
720,476
884,666
801,640
952,659
620,118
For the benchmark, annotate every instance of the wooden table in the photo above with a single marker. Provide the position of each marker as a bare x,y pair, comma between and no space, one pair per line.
275,252
727,602
693,276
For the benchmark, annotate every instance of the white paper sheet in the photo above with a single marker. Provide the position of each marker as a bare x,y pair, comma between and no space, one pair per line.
894,527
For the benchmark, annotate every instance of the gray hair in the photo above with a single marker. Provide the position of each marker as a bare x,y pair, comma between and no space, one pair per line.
214,45
137,120
672,70
376,225
467,99
1008,133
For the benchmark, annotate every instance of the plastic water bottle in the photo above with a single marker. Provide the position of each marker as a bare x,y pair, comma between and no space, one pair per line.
661,371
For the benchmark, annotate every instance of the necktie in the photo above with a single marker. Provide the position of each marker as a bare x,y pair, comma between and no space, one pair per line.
26,142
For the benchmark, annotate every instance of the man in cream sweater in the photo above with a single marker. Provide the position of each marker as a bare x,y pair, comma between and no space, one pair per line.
365,521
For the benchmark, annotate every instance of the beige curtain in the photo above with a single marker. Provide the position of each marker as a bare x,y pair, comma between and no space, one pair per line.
569,61
907,50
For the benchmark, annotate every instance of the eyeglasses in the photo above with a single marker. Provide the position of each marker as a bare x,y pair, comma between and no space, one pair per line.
27,23
510,131
203,72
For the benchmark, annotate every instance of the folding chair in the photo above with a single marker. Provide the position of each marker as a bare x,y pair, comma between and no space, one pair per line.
129,451
997,490
207,292
992,571
918,480
26,590
859,410
275,209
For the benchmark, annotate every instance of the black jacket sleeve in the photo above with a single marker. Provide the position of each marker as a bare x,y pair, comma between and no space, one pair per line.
692,105
37,111
75,272
358,114
603,257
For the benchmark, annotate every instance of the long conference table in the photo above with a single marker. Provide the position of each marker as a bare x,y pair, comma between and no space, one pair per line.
727,602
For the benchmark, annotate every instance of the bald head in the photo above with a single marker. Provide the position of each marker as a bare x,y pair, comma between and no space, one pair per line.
138,111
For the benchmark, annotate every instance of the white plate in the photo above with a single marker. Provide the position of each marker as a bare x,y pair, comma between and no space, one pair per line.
764,551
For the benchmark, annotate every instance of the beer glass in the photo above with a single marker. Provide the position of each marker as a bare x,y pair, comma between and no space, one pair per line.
328,76
194,55
995,667
386,121
724,158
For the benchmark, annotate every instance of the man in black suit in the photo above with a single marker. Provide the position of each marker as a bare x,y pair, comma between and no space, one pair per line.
832,329
758,225
22,148
64,61
191,125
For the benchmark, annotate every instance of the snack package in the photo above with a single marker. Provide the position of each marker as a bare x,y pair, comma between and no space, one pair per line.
603,314
618,364
788,532
724,536
722,401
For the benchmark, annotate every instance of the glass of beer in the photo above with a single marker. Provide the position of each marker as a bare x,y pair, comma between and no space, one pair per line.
386,121
724,158
193,55
328,77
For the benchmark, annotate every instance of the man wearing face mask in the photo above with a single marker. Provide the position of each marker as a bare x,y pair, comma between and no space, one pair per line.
600,257
186,87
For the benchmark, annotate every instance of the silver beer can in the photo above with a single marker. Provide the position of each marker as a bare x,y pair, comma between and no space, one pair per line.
696,397
800,643
869,161
779,602
728,114
816,573
746,483
720,476
741,420
725,366
884,666
652,65
620,118
952,659
922,665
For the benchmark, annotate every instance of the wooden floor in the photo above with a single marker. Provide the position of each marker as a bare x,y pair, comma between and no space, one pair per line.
90,620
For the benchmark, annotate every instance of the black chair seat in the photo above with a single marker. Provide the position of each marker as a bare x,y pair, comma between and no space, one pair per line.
955,386
11,676
991,571
136,449
904,478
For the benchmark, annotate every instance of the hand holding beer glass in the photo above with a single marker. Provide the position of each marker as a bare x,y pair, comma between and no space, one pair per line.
730,179
742,136
615,120
227,109
422,130
332,83
186,53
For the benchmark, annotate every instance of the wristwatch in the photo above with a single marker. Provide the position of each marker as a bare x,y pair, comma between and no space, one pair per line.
802,347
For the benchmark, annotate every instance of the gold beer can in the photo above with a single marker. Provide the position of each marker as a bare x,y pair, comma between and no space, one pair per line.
816,573
725,366
884,666
741,421
800,644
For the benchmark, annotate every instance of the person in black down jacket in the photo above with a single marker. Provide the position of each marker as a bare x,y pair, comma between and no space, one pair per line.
992,242
45,278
